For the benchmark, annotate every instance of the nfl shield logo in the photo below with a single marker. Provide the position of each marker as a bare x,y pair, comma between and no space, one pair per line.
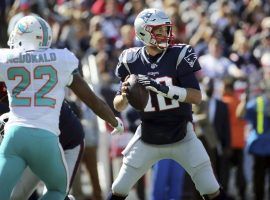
153,66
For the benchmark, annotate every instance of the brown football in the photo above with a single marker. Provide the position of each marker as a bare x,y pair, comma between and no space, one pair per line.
137,94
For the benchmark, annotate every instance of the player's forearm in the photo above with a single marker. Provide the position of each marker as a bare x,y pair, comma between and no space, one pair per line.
104,112
194,96
99,107
186,95
120,103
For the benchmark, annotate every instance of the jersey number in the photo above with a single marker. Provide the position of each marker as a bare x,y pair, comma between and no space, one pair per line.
40,98
163,103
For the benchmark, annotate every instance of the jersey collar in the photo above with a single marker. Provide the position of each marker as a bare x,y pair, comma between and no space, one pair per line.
146,59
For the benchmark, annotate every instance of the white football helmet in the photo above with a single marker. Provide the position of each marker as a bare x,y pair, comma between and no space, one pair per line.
31,33
149,19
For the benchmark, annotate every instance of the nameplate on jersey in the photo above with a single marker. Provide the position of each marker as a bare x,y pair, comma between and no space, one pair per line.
152,73
32,58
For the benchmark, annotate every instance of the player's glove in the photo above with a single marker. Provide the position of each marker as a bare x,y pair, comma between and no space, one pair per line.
172,92
119,128
3,119
151,84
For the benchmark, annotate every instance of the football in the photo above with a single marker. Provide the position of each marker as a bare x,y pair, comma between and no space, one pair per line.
137,94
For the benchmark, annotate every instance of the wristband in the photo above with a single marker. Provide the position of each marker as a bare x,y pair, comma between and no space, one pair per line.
177,93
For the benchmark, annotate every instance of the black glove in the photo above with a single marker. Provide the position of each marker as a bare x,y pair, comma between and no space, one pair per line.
151,84
172,92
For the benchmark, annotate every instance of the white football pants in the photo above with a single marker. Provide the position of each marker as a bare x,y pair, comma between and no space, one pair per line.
189,153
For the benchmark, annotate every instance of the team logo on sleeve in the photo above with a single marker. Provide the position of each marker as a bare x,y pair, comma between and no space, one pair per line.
190,59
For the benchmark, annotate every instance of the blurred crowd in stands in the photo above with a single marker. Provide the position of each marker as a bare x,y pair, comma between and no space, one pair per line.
232,41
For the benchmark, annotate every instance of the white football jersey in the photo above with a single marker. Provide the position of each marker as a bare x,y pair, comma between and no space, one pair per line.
36,83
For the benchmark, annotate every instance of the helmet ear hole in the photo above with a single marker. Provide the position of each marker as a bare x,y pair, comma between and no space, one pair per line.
20,43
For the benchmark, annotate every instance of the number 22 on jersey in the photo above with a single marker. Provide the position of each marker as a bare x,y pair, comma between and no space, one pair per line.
40,97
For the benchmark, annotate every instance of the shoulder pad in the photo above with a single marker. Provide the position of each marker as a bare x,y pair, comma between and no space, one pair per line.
66,55
7,54
129,55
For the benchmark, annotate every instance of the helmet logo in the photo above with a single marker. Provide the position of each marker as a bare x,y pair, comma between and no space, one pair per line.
146,17
23,28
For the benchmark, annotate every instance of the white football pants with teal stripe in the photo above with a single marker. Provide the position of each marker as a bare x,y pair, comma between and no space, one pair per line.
41,151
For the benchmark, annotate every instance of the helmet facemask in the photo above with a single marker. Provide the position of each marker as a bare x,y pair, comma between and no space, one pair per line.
160,37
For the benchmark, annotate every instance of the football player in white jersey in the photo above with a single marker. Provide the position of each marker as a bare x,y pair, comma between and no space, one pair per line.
36,77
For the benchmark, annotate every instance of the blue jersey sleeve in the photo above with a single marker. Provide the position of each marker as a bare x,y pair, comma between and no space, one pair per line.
121,70
189,81
188,62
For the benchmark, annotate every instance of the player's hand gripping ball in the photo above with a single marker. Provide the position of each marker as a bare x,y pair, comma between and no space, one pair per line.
137,94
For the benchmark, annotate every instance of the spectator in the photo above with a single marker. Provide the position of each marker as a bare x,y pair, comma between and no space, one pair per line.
218,115
216,66
237,143
256,111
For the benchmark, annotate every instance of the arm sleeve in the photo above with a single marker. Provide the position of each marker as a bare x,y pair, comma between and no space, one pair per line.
121,70
72,64
76,71
189,81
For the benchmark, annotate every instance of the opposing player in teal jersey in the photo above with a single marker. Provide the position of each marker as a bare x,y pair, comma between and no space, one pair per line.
36,77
